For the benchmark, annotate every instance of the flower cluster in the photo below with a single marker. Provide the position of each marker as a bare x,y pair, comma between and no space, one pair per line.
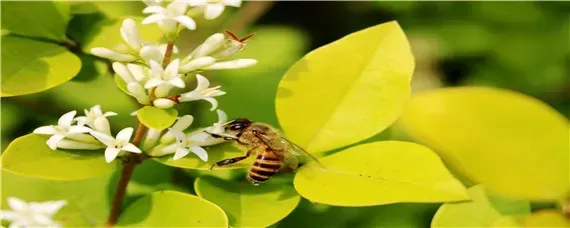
157,74
33,214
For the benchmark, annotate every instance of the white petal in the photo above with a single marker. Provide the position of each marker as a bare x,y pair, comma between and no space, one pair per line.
86,138
171,70
233,64
111,153
101,124
45,130
190,96
49,207
197,2
199,136
153,82
176,8
170,149
183,123
79,129
150,54
186,22
163,48
151,139
163,103
107,114
162,90
7,215
153,18
81,120
96,110
53,140
211,44
154,9
234,3
200,152
179,135
17,204
213,101
125,134
180,152
104,138
123,72
156,69
177,82
213,10
203,82
196,64
137,72
138,92
66,119
222,116
113,55
131,148
75,145
130,33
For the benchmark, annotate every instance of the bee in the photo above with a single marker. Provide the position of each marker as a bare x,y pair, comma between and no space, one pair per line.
272,149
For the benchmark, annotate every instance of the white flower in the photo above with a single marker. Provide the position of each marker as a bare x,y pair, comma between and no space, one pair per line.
168,76
196,64
186,144
202,92
61,130
95,119
118,144
167,18
130,35
181,124
214,8
211,44
218,127
33,214
155,52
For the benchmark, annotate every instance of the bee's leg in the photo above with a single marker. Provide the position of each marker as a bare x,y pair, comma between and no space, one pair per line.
233,160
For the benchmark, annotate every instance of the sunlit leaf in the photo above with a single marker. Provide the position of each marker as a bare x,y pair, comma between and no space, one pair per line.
348,90
30,156
481,211
157,118
215,154
30,66
172,209
379,173
247,205
45,19
514,144
546,218
87,200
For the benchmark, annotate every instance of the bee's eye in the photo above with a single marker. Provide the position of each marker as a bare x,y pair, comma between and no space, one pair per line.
236,127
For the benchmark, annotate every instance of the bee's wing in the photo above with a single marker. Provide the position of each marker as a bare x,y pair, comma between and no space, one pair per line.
291,160
295,149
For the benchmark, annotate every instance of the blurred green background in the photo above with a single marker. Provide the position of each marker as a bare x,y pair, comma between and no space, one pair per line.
523,46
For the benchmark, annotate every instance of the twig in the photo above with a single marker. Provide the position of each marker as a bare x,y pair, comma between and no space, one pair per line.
248,14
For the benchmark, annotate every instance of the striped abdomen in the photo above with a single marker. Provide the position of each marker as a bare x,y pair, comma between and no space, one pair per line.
266,165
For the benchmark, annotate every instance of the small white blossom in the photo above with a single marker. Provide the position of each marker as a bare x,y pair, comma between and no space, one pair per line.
95,119
218,127
130,35
202,92
168,76
186,144
33,214
214,8
168,17
118,144
181,124
61,130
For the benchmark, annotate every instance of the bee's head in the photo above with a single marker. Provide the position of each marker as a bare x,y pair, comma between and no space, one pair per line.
237,125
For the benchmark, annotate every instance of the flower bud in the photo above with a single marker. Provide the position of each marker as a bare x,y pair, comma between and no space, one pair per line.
233,64
110,54
101,124
83,138
151,139
123,72
212,43
164,103
196,64
162,90
138,92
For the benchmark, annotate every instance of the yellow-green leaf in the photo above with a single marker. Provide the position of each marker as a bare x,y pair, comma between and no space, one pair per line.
546,218
42,19
30,66
514,144
215,154
481,211
30,156
348,90
157,118
379,173
172,209
247,205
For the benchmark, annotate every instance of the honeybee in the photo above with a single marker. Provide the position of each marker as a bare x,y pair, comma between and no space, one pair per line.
273,150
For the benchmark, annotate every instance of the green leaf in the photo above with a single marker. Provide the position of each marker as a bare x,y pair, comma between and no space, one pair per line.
121,83
348,90
481,211
30,156
106,34
379,173
157,118
44,19
30,66
247,205
172,209
546,218
88,200
215,154
514,144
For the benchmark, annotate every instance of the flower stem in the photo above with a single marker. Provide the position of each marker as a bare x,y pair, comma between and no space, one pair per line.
129,164
168,54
